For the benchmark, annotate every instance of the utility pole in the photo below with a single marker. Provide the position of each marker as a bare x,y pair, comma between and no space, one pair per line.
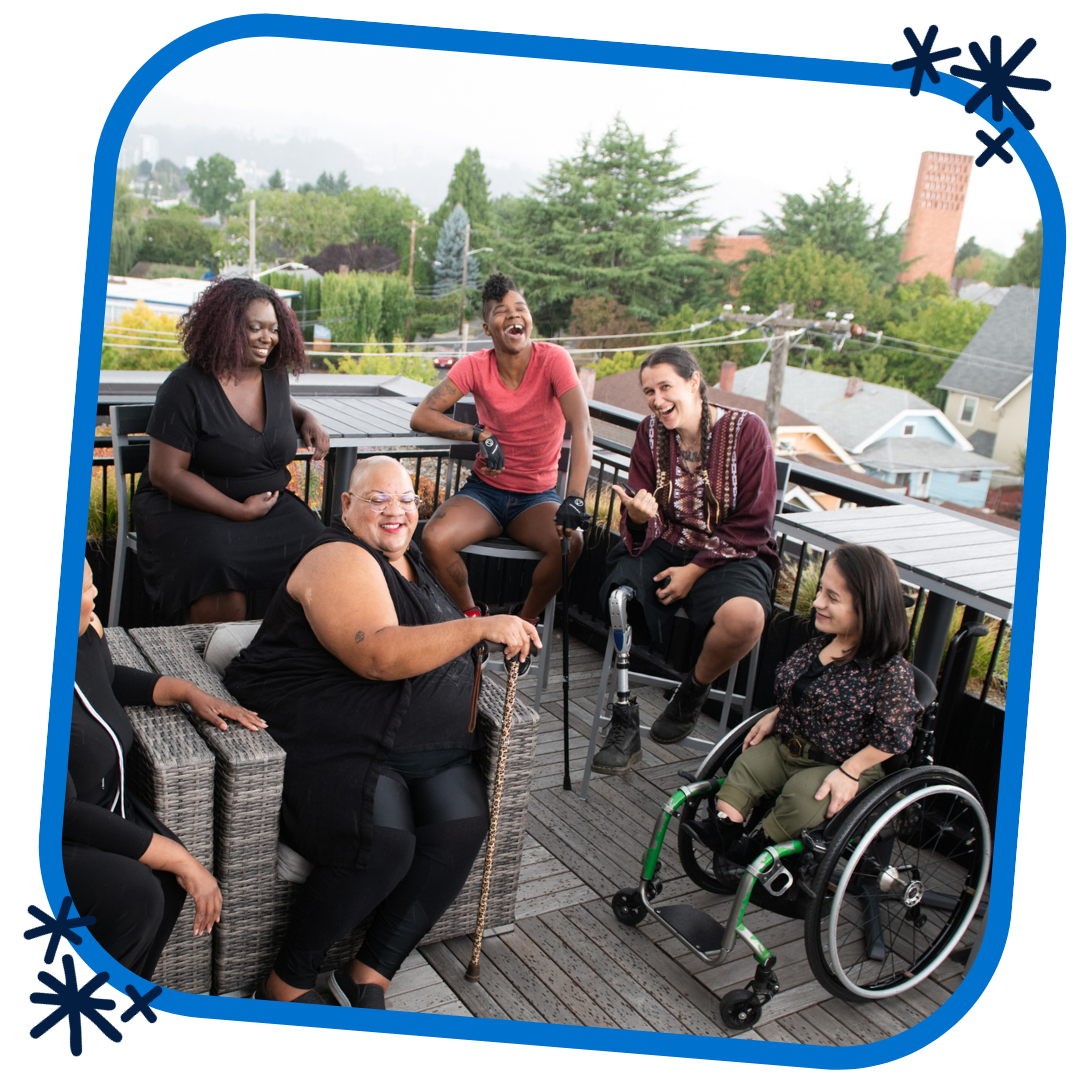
779,350
251,238
412,253
464,284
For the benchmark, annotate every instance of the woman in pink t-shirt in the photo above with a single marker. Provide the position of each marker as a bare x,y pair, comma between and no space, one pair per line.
526,393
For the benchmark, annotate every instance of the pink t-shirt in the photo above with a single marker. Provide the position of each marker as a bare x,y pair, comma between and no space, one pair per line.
528,421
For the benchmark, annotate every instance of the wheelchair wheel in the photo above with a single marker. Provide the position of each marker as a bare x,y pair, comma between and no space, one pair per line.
628,907
898,886
697,829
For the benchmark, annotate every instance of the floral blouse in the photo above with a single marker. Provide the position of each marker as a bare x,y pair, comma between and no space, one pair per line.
849,706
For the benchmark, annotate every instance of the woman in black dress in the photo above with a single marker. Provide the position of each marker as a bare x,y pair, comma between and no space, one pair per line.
212,513
123,866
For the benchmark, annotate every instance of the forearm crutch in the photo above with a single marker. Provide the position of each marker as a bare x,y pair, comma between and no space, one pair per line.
472,973
566,662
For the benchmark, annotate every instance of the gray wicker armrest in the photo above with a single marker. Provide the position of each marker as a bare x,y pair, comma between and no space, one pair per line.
172,770
247,803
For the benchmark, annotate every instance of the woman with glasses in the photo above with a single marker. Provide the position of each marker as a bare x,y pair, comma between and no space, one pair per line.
367,674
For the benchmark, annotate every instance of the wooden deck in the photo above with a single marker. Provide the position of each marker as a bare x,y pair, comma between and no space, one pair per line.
568,960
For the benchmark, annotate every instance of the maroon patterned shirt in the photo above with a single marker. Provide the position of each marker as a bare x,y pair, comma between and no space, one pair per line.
742,476
849,706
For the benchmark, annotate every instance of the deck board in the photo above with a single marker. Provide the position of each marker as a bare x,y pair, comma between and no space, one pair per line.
568,961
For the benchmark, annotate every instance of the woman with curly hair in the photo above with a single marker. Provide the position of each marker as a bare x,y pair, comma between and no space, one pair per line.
212,513
696,530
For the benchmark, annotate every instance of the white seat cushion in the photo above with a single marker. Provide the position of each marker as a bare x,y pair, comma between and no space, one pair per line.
226,643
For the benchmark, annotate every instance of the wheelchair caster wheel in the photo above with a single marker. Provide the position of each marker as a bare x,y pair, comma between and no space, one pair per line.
628,906
740,1010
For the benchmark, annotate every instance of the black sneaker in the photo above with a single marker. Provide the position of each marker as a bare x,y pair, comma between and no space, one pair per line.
348,993
622,748
680,716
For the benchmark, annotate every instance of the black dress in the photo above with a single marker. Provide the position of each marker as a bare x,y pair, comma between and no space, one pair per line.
106,829
337,728
186,553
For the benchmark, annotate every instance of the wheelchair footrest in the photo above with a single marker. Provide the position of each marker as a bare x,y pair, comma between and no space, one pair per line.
694,926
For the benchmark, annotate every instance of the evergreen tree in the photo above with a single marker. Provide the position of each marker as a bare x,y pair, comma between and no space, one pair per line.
276,181
606,222
838,222
450,253
469,187
329,186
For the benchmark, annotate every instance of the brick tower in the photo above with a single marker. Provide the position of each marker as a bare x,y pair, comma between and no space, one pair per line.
936,209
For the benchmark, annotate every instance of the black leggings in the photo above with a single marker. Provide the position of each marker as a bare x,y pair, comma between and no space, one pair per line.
427,833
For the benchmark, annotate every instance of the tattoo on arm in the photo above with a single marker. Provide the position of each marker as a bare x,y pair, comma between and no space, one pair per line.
360,635
443,396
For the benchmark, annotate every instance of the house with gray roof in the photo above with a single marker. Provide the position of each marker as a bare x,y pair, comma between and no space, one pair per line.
988,386
892,433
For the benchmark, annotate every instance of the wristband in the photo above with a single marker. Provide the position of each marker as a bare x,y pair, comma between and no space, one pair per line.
477,431
847,774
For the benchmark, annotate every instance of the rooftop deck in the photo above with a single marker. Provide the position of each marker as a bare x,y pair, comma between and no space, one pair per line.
568,961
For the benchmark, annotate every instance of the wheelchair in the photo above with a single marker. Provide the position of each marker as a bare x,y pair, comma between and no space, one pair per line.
886,888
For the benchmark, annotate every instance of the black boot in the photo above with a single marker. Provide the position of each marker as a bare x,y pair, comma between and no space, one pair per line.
622,748
680,716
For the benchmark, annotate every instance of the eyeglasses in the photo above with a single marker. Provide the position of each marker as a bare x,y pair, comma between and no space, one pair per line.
380,502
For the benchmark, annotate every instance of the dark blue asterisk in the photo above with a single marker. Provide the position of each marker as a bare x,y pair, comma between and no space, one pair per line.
74,1003
994,147
57,928
923,61
997,78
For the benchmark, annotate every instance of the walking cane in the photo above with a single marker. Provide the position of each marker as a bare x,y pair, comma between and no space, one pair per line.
566,663
472,973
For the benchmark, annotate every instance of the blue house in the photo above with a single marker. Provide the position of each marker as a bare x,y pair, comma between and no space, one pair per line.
892,433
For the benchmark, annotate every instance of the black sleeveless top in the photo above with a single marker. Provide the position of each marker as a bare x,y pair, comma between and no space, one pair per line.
336,727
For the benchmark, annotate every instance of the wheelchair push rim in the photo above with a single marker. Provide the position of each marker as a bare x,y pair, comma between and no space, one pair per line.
916,907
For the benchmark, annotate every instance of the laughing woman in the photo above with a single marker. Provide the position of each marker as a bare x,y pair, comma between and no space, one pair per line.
696,530
212,513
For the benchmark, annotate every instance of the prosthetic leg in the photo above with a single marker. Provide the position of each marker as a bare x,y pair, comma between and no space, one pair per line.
622,748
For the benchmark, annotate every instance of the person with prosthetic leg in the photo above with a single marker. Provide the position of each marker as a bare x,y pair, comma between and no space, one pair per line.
696,532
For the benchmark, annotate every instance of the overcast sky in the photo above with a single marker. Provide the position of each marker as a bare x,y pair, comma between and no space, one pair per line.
753,138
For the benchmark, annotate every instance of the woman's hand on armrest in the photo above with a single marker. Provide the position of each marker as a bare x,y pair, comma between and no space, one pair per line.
842,784
215,710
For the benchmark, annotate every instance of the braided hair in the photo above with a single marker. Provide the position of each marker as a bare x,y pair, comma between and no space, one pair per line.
685,367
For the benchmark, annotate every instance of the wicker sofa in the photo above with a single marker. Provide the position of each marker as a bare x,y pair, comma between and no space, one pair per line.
220,791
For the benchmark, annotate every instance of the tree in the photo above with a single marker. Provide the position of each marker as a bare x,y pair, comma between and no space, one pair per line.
838,221
170,176
127,225
601,317
815,281
276,181
355,256
1025,267
605,222
140,340
942,321
469,187
214,184
329,186
180,239
450,254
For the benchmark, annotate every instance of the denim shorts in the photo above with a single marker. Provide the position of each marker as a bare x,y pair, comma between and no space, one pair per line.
504,506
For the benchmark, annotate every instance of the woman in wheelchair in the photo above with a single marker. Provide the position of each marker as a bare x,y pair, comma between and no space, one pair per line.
846,703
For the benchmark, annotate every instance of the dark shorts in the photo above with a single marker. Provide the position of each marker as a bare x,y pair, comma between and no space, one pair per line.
504,506
740,577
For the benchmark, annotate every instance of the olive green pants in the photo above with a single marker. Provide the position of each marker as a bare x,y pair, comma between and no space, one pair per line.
770,769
